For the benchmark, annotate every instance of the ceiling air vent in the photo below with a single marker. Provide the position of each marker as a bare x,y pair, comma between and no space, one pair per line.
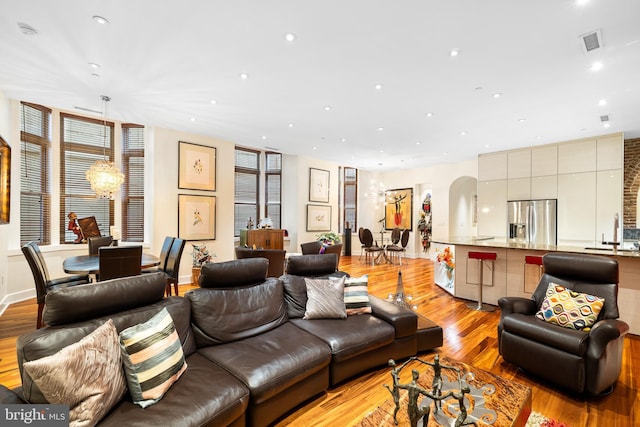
604,118
591,41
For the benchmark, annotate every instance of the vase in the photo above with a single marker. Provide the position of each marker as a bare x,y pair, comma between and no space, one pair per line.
195,275
449,274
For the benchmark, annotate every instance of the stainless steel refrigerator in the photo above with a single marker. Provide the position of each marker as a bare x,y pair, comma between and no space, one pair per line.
532,221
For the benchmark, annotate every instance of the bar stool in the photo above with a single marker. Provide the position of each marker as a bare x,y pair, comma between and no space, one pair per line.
482,257
532,260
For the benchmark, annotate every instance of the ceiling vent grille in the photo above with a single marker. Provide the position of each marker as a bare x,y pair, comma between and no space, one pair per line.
604,118
591,41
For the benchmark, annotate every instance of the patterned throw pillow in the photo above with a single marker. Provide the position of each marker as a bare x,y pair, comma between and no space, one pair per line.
86,375
356,295
569,309
325,299
153,358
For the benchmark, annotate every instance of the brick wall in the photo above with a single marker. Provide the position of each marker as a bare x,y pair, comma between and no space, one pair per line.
631,181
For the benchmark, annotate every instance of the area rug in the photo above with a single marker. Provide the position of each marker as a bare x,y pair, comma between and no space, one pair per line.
536,419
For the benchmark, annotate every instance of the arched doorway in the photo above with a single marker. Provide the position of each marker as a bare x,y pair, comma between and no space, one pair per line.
463,195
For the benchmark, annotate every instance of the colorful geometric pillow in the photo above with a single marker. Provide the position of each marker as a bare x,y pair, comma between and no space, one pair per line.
153,358
569,309
325,299
86,375
356,295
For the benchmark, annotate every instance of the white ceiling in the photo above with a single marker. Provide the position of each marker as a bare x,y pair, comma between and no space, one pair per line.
162,62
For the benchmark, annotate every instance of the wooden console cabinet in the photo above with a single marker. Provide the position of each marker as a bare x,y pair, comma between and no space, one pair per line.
265,238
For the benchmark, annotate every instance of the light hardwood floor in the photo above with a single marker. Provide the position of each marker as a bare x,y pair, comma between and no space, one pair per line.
469,336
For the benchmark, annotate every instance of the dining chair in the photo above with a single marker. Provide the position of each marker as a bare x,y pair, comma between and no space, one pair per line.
172,266
398,251
360,234
164,254
370,246
96,243
119,261
41,278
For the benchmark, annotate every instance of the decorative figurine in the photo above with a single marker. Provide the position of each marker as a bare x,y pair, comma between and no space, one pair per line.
74,227
250,224
415,411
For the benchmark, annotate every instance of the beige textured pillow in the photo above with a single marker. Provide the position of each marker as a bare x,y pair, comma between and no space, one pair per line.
86,375
325,299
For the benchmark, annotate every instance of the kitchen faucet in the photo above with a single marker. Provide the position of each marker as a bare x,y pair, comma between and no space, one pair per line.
614,242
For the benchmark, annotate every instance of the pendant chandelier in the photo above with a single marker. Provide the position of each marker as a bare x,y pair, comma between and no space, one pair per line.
104,176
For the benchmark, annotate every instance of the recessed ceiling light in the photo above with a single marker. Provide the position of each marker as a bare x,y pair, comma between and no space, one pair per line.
380,129
213,102
193,119
327,108
290,37
538,137
607,125
315,148
344,140
429,114
244,76
454,52
496,95
463,133
417,142
596,66
478,88
382,151
290,125
94,65
27,29
522,120
444,154
95,74
263,137
602,102
581,2
378,86
100,20
486,146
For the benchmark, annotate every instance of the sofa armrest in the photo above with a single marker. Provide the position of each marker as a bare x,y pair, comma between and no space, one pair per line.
602,333
10,397
520,305
403,320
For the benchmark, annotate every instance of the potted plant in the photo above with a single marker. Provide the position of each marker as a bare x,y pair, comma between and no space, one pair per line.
329,238
200,256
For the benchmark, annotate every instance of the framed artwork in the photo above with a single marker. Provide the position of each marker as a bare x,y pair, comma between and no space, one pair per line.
5,181
196,217
398,209
318,185
197,167
318,218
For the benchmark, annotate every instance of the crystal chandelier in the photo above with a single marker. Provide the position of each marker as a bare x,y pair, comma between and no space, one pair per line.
104,176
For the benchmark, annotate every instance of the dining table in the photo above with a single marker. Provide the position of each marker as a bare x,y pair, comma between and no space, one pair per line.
90,264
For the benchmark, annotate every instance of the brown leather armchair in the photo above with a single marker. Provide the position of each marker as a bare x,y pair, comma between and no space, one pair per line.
275,256
585,362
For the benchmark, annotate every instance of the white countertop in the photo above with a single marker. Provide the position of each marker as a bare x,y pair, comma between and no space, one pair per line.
491,242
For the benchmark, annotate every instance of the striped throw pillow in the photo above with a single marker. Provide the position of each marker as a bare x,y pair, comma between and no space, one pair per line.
356,295
153,358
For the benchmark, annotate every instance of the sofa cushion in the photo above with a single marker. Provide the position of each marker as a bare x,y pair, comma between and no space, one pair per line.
153,358
349,337
325,299
312,265
86,375
531,328
230,314
569,309
273,361
206,395
356,295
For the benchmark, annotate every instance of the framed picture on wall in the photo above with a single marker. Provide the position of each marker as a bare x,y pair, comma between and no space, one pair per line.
398,209
197,167
196,217
5,180
318,218
318,185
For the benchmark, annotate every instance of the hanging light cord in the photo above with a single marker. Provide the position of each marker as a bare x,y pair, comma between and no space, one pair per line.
105,101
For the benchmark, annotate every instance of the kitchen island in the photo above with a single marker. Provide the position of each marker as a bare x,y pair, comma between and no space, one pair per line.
511,276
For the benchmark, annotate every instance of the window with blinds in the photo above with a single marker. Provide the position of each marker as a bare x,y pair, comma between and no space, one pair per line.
35,197
273,184
83,141
350,213
133,187
247,174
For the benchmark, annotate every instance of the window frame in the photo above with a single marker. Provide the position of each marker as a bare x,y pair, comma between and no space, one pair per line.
126,196
268,205
347,183
248,171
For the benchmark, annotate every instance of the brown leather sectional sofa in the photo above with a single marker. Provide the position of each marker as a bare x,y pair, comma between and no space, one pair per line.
251,356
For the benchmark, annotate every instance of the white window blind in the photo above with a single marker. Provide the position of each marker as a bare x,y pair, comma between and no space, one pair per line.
246,203
273,179
350,198
133,187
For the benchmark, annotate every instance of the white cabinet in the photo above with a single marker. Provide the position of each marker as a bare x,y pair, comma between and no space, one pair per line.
576,208
492,166
544,161
577,157
519,189
492,208
544,187
609,203
519,164
610,152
